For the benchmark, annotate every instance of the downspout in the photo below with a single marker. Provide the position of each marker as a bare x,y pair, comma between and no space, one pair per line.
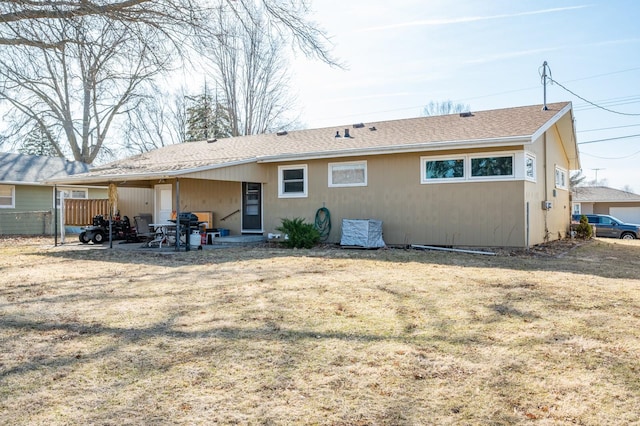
546,186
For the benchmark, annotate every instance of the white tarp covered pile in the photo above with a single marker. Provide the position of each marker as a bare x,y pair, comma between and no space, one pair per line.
365,233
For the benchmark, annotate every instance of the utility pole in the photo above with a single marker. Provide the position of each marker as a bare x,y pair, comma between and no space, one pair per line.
544,83
596,170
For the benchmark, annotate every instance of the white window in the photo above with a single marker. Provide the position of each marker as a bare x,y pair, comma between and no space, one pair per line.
75,193
498,166
577,209
442,169
292,181
348,174
561,178
489,166
7,196
530,167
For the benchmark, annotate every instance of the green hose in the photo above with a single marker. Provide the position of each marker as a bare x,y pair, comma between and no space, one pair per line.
323,223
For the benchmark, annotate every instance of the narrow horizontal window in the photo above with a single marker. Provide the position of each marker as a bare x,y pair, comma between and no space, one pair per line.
492,166
444,169
348,174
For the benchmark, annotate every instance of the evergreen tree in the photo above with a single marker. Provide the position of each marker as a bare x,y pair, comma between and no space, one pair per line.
37,143
207,118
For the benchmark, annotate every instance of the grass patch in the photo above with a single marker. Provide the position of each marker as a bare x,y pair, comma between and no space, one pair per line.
323,336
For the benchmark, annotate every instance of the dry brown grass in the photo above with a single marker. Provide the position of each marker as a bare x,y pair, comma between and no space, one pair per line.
327,336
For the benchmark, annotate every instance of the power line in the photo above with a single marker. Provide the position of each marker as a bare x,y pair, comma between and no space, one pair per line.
607,128
609,139
611,158
592,103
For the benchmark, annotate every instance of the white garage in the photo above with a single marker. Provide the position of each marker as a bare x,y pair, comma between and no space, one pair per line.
626,214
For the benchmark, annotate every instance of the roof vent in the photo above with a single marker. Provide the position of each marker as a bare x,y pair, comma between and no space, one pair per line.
373,129
338,134
466,114
358,126
212,140
282,133
346,133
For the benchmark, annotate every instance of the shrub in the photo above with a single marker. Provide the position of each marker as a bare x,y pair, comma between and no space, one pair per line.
584,230
299,234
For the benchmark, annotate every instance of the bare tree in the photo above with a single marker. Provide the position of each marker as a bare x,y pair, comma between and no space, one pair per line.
76,66
444,108
250,69
157,121
81,88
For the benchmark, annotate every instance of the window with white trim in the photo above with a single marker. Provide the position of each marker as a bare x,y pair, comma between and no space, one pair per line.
7,196
492,166
348,174
530,167
442,169
488,166
74,193
292,181
561,178
577,208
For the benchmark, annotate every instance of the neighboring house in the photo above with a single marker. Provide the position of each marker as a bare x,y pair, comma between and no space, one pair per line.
491,178
26,202
602,200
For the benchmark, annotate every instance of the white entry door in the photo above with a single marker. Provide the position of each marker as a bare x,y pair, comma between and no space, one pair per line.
163,203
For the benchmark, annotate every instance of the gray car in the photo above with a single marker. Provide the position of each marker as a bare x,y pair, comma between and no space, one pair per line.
609,226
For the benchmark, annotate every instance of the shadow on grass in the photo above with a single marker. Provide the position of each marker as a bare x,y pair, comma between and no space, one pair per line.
605,258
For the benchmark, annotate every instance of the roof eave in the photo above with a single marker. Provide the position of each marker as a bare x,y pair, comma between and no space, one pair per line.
129,177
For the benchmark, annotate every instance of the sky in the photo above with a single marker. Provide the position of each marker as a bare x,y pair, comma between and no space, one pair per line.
399,56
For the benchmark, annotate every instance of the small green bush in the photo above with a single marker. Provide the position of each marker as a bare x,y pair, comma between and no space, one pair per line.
584,230
299,234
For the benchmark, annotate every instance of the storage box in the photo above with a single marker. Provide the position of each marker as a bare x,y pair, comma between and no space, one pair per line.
224,232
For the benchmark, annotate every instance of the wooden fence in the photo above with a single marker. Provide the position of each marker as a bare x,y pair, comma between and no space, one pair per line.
81,212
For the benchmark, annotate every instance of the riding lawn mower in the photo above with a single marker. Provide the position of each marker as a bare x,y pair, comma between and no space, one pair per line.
98,232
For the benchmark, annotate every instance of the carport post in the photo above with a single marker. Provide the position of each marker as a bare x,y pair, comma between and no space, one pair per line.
177,214
55,213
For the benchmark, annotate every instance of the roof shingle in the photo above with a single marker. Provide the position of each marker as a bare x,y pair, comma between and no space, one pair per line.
518,122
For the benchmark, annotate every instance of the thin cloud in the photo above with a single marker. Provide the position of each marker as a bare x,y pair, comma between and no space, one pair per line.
462,20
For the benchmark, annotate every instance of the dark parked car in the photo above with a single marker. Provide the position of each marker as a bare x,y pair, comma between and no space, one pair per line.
609,226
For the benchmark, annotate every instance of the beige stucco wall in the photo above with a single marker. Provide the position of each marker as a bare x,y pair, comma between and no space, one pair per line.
134,201
489,213
549,224
460,214
220,197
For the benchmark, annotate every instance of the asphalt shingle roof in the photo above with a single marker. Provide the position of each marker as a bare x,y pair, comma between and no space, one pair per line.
22,168
594,194
388,135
